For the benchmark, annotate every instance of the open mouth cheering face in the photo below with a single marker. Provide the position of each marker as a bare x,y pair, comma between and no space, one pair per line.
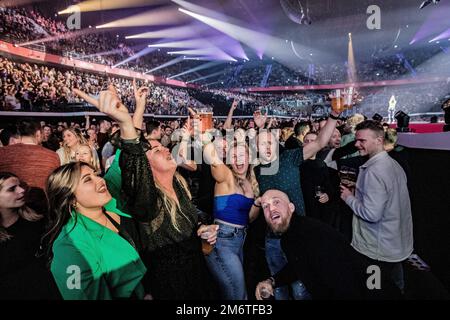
277,210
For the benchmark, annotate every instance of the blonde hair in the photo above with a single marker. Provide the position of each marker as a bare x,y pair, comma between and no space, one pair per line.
354,120
250,176
390,137
95,163
24,212
170,204
60,189
81,140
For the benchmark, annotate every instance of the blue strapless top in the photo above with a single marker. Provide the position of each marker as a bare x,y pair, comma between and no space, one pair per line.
232,208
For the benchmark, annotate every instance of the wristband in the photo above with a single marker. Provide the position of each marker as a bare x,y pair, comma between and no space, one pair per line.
333,116
131,141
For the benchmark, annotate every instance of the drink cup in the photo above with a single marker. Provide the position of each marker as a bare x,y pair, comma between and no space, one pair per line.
207,248
264,293
318,192
337,101
206,121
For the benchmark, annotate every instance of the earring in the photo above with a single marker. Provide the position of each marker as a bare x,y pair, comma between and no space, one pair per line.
73,206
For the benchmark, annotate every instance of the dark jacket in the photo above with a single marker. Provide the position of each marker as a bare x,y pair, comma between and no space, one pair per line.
323,260
292,142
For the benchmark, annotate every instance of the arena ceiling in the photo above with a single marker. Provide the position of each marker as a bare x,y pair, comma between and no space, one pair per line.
403,26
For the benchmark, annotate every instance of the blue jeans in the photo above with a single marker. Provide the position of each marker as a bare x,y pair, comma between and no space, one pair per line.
226,262
276,260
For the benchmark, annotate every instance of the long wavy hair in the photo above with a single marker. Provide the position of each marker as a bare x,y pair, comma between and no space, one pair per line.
61,186
250,176
24,212
95,163
170,204
81,140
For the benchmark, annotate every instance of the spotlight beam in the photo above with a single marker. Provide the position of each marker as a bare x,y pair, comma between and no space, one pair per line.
167,64
196,43
141,53
260,42
351,64
100,5
58,37
202,10
443,35
18,3
149,18
204,58
198,68
212,52
177,32
209,84
250,37
215,74
107,53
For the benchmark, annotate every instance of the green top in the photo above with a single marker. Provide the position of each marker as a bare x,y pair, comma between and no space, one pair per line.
92,262
113,177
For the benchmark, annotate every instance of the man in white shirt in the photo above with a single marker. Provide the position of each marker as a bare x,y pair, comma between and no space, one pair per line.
382,221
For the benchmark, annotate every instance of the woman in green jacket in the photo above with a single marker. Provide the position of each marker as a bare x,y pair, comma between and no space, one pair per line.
93,246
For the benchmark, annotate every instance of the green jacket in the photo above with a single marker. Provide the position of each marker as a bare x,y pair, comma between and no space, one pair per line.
113,177
92,262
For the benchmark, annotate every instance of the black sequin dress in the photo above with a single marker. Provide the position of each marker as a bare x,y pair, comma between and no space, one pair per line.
175,262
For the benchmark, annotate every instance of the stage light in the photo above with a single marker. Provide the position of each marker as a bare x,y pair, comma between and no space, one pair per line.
402,121
446,109
428,2
377,117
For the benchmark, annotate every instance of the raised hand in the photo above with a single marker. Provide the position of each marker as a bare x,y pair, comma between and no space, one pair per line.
260,120
108,103
234,104
140,95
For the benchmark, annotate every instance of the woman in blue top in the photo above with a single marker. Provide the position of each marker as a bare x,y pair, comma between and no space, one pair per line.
234,194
